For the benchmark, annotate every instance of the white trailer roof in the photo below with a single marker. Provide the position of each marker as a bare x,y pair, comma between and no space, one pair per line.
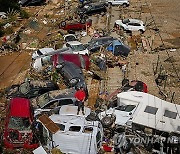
154,112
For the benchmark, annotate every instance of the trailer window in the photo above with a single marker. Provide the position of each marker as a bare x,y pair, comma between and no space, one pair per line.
75,128
151,110
178,128
98,139
61,126
126,108
88,130
170,114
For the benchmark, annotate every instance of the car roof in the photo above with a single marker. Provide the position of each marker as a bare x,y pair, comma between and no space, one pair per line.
102,38
74,43
19,107
136,21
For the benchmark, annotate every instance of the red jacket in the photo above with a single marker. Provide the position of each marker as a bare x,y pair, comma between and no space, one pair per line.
80,95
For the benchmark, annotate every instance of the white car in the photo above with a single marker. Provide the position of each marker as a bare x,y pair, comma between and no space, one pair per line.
77,47
3,15
70,37
124,3
131,25
41,52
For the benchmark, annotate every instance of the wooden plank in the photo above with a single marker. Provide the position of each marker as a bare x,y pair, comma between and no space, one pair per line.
49,124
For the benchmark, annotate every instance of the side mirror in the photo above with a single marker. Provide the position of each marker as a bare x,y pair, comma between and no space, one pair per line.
130,113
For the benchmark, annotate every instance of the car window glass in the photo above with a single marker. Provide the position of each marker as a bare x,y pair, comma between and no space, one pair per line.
88,130
75,128
24,88
52,105
65,102
61,126
125,21
19,123
39,52
126,108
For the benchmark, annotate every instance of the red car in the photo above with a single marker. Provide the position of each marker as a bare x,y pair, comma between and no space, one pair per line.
75,25
18,132
81,61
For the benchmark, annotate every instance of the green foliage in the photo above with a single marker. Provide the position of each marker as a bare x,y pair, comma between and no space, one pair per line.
5,5
24,14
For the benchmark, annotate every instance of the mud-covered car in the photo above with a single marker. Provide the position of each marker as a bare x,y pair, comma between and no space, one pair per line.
72,74
95,44
75,25
19,118
51,101
31,2
30,89
92,8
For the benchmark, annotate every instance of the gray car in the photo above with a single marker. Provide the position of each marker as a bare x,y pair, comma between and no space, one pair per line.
51,101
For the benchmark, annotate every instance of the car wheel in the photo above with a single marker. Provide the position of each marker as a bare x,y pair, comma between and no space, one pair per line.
127,146
63,24
125,5
109,4
141,31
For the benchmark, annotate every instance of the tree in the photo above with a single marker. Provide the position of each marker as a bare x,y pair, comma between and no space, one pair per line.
6,5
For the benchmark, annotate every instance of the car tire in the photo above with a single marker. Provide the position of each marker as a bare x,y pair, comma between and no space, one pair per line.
63,24
125,5
127,147
141,31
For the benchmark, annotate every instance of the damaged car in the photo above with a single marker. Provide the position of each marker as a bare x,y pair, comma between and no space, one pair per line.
75,25
92,8
31,2
72,74
82,61
118,48
18,132
30,89
95,44
51,101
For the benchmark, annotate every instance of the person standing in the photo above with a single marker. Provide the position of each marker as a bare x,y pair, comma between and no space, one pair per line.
80,96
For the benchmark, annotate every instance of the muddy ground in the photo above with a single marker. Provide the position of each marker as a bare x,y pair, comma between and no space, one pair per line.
163,35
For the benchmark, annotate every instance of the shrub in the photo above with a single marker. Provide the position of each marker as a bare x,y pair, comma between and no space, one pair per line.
24,14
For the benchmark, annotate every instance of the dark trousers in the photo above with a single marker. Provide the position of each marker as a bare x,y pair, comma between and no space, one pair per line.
80,105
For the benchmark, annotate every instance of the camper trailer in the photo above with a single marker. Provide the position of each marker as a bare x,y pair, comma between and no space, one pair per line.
144,109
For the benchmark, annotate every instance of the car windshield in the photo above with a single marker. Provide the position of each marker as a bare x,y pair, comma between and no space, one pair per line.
78,47
43,99
25,88
19,123
39,52
125,21
126,108
70,38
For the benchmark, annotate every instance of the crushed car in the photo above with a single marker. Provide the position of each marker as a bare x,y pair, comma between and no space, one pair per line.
17,131
75,25
82,61
75,133
118,48
51,101
124,3
40,52
77,47
31,2
30,89
95,44
92,8
72,75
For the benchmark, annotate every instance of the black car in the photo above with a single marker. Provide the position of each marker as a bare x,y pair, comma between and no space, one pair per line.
92,8
95,44
30,89
31,2
72,74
